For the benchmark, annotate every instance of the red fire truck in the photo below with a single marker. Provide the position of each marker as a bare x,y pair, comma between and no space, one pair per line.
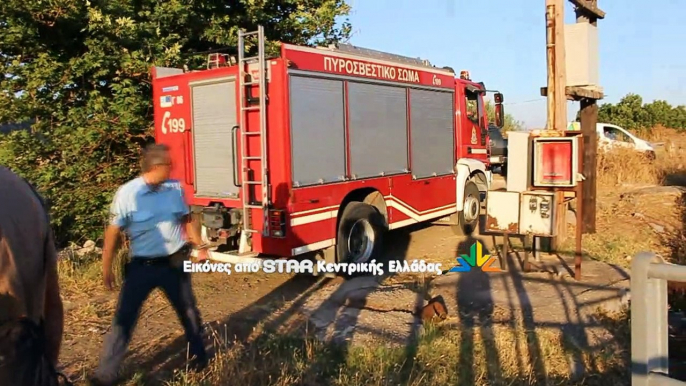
322,149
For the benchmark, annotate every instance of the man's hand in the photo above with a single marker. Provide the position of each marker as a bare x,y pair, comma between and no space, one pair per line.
193,234
203,255
111,238
108,278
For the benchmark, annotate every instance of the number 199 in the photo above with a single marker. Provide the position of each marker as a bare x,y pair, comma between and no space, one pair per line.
177,125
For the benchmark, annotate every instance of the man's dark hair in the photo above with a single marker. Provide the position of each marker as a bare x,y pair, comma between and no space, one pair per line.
154,154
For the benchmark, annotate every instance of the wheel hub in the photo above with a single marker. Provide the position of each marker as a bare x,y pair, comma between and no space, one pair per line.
471,208
360,241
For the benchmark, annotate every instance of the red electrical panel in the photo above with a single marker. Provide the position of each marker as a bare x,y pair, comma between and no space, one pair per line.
555,161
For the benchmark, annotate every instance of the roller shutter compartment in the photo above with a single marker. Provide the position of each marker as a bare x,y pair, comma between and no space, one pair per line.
214,115
378,129
317,125
432,133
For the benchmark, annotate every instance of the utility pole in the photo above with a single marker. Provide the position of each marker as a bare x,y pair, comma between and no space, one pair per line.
557,73
587,13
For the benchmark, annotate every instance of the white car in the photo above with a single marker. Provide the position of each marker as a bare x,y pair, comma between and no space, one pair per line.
612,136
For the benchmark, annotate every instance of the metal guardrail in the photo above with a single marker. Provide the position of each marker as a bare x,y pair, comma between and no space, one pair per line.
649,319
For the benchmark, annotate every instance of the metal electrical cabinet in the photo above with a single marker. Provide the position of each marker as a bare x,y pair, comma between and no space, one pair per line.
581,54
537,213
555,161
519,154
502,212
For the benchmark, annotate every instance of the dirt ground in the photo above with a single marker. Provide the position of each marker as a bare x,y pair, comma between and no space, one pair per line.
233,305
358,311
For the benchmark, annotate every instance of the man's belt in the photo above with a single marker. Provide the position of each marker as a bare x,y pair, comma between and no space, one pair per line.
182,253
151,260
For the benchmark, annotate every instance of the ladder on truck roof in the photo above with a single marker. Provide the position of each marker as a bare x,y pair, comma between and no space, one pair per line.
247,182
376,54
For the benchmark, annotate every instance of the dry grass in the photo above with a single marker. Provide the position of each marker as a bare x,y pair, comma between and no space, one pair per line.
450,354
81,275
629,223
659,134
620,167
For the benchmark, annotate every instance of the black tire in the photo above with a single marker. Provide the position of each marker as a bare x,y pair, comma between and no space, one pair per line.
355,218
464,227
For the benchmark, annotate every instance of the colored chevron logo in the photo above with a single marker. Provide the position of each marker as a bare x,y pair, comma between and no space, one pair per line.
475,259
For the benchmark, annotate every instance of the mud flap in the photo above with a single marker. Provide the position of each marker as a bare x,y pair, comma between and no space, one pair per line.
489,178
244,245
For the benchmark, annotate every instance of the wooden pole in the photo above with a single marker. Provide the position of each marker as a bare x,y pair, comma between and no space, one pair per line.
560,67
589,118
557,74
557,82
579,220
550,56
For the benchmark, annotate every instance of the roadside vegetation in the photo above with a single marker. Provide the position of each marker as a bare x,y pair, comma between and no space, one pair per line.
632,113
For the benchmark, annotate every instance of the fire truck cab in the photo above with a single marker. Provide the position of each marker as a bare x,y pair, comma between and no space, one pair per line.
322,149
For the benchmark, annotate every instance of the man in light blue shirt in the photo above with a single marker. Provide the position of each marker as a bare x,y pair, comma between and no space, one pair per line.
152,216
151,209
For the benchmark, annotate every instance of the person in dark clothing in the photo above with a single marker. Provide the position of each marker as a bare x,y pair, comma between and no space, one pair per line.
31,310
153,212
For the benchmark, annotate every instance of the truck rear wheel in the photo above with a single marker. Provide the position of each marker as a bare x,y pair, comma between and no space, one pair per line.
360,233
468,218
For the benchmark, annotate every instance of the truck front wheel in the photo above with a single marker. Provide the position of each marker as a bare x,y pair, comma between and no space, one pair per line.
360,233
468,218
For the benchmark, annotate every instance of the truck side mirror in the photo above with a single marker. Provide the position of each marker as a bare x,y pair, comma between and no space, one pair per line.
499,113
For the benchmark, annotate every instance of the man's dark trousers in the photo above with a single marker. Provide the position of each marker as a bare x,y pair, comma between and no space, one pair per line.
140,279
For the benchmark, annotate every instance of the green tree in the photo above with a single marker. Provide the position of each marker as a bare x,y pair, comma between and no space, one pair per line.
79,71
509,124
631,113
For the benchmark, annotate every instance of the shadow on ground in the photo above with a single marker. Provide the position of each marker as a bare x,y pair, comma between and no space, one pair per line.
337,319
548,297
